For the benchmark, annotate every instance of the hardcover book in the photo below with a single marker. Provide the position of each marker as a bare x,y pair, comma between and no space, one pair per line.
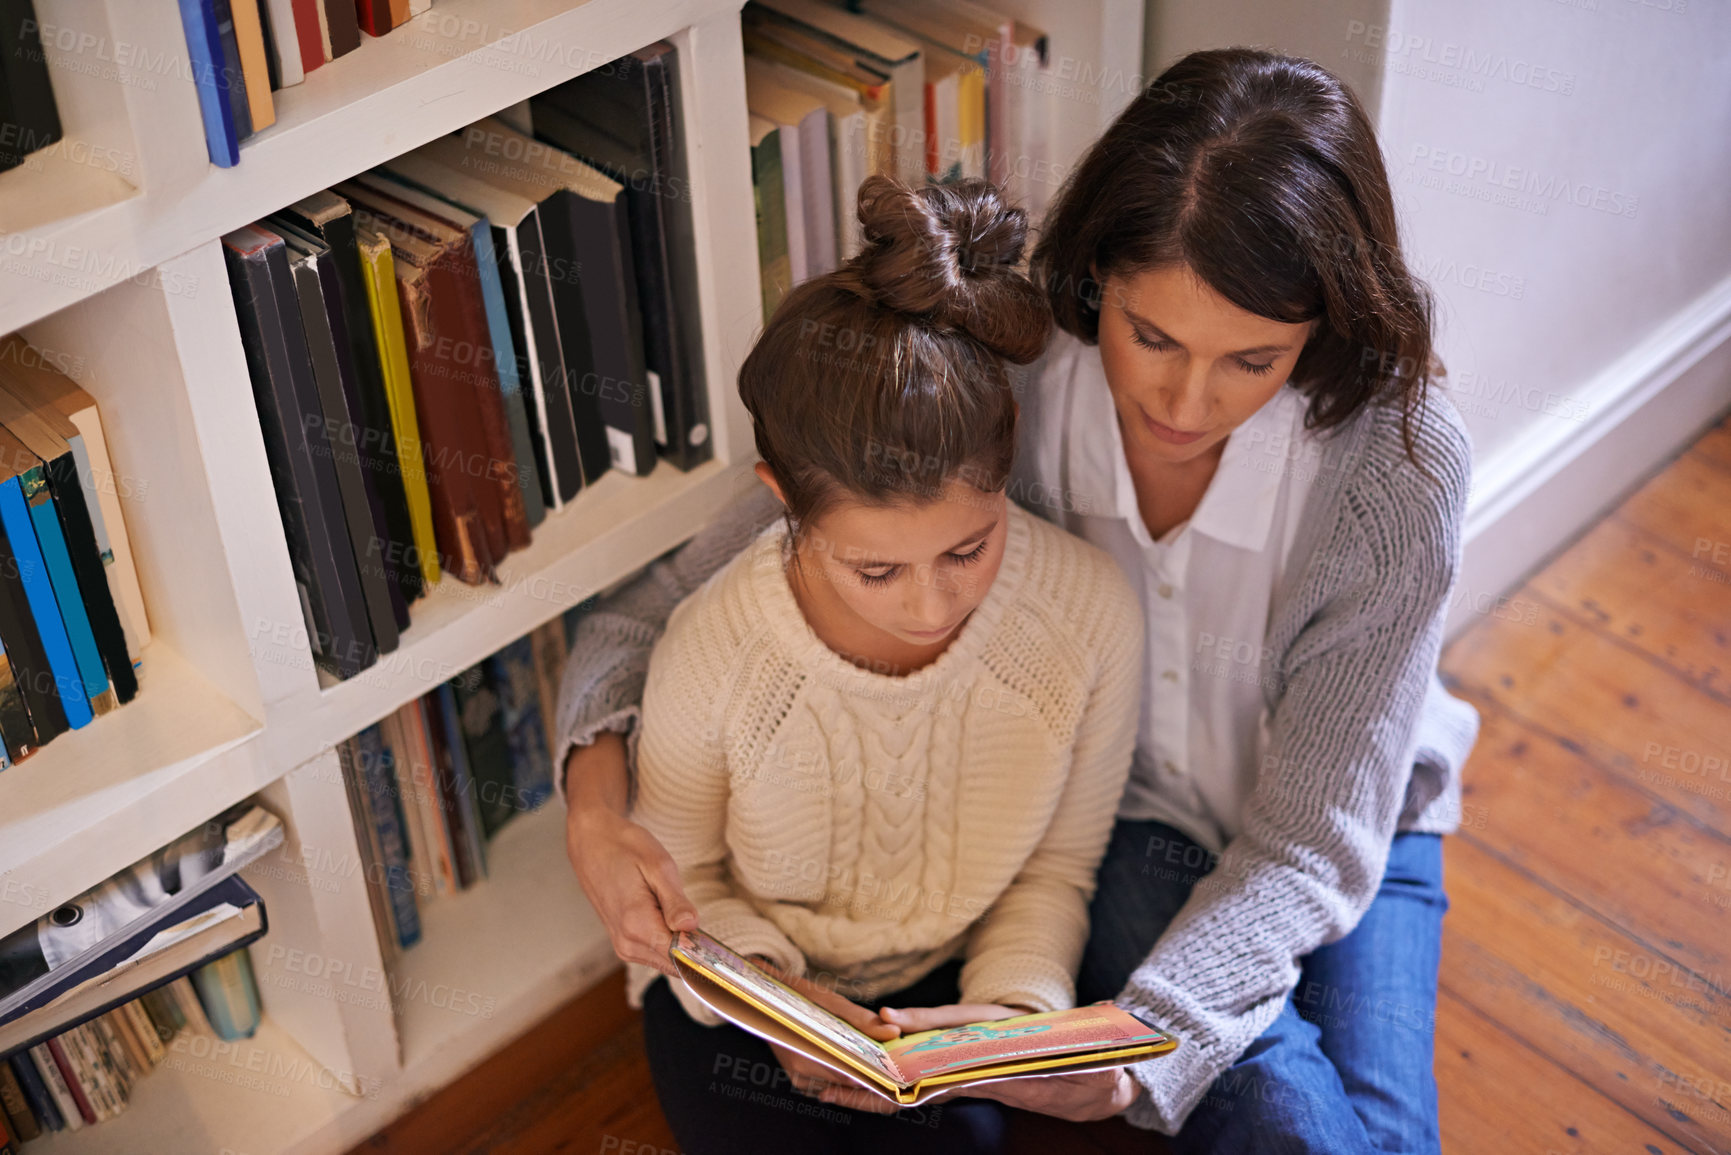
623,120
909,1070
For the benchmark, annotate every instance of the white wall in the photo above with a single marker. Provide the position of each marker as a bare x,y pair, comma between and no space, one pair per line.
1563,174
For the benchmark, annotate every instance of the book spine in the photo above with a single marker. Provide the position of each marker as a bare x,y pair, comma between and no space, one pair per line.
73,1112
414,724
16,733
36,1092
52,543
254,64
380,778
306,30
285,42
31,120
232,80
229,995
528,476
409,810
381,285
344,26
102,495
145,1030
16,1107
50,627
80,538
544,355
367,847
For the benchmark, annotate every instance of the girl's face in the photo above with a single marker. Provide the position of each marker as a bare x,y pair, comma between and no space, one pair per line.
1185,365
913,570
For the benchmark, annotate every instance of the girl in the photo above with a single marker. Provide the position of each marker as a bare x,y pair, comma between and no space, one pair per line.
1239,409
885,743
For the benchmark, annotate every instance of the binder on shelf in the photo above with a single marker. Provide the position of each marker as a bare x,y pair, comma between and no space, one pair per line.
156,951
322,327
588,237
442,165
114,920
623,120
328,216
268,309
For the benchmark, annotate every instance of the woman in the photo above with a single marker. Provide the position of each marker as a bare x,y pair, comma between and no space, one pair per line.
1239,411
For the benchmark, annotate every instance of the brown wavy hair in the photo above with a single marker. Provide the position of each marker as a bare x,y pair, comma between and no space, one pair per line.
888,377
1261,173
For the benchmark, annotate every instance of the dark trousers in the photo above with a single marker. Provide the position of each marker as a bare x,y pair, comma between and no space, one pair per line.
724,1092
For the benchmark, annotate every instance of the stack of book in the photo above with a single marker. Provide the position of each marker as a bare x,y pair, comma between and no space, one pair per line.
430,784
29,118
241,51
85,1075
447,348
92,992
924,90
72,622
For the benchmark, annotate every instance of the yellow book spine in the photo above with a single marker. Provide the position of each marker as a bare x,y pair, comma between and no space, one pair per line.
394,356
249,37
973,117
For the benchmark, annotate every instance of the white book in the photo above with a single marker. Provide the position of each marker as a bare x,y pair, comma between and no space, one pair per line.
285,45
806,171
849,144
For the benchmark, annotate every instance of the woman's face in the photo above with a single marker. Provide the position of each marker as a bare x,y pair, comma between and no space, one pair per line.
1185,365
911,570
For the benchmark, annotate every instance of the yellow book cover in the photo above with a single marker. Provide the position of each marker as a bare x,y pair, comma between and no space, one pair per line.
249,36
909,1070
394,355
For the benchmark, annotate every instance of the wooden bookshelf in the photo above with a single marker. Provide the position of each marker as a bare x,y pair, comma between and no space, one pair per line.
122,272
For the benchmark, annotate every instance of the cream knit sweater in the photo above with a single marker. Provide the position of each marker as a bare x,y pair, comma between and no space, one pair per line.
862,829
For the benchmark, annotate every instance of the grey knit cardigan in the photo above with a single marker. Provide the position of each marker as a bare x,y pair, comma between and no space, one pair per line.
1363,742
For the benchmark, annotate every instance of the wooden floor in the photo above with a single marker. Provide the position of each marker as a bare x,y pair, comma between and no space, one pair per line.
1585,998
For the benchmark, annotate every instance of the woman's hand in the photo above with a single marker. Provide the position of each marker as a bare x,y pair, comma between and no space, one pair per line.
835,1003
1080,1098
630,879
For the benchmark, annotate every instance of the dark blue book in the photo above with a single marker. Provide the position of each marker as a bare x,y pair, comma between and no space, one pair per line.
512,672
378,778
210,76
44,610
36,1093
457,784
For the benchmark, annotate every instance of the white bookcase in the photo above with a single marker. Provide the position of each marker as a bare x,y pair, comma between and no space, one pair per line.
110,256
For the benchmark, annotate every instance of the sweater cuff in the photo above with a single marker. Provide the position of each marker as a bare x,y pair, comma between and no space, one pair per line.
1018,980
627,720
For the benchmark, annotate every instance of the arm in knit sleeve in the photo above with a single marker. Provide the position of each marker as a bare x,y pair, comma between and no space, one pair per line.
1318,826
603,680
1026,949
682,793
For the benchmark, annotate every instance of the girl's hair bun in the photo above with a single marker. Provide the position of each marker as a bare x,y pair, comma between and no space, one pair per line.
949,253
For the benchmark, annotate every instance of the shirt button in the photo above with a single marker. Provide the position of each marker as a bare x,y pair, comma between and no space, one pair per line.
1165,591
1170,675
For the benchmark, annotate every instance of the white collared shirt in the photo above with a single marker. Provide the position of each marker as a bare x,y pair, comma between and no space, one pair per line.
1207,586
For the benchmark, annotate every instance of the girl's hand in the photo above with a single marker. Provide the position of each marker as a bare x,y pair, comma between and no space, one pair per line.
954,1015
631,880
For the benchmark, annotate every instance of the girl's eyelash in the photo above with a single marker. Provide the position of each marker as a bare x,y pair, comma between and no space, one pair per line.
1259,370
878,579
972,556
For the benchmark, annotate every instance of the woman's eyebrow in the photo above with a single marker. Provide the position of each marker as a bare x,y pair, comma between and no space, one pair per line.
1142,322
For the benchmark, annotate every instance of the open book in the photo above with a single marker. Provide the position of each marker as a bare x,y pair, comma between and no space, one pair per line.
913,1068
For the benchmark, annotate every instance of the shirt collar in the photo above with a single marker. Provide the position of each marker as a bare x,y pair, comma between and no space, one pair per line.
1238,507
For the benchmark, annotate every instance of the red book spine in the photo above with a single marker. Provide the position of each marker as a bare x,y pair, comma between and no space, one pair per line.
70,1074
307,32
375,16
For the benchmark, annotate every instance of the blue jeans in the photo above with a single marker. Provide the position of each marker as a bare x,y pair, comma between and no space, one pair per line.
1346,1066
